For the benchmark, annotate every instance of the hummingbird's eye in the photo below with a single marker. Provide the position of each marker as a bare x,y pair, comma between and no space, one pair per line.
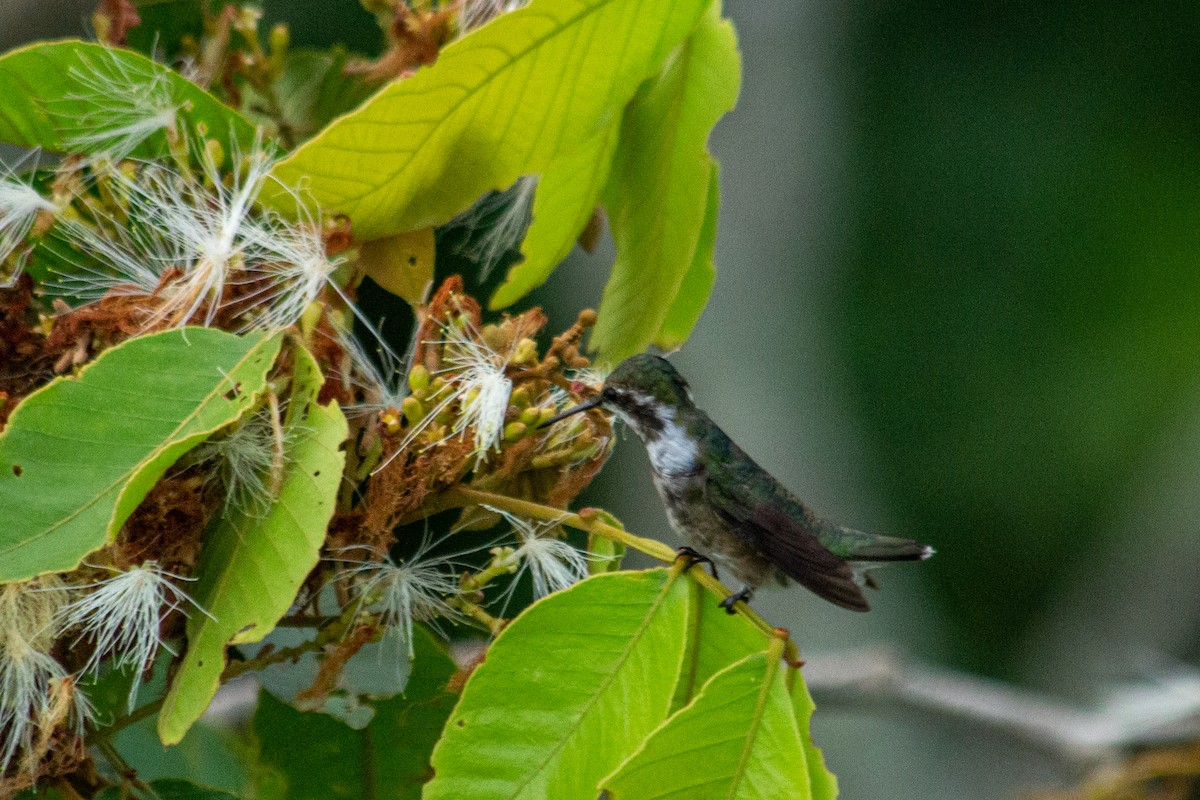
608,394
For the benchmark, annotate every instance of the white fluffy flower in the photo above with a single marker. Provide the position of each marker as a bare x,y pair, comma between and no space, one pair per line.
552,563
248,460
20,205
483,387
121,104
122,616
36,693
497,223
476,382
186,238
292,270
416,590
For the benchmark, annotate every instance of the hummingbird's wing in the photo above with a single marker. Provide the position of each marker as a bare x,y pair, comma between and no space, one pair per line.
783,537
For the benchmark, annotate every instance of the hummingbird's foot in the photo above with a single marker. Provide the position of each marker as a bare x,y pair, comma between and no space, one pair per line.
744,594
693,557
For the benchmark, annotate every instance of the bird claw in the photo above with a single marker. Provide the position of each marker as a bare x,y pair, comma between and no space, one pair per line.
744,594
694,557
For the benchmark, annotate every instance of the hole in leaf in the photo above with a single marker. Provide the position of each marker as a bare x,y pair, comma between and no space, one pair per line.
18,470
232,392
412,261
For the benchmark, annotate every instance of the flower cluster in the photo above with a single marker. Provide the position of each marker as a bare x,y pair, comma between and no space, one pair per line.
153,224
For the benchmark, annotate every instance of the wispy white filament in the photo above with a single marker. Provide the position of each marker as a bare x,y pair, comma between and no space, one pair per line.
552,564
122,616
20,205
416,590
381,376
120,105
477,383
32,682
476,13
482,385
504,218
244,459
188,238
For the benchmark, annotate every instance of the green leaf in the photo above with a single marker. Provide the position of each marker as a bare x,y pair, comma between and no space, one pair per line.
80,453
314,89
697,281
567,691
737,739
715,640
658,191
567,194
51,89
822,782
388,760
173,789
254,562
508,100
606,553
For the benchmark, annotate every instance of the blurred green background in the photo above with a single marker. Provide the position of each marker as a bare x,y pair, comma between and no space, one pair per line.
958,300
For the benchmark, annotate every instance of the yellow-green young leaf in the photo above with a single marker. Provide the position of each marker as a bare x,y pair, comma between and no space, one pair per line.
568,690
738,740
77,97
566,196
386,760
401,264
79,454
697,281
823,782
253,563
658,189
508,100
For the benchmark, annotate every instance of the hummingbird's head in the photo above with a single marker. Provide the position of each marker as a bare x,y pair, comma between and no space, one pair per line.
645,391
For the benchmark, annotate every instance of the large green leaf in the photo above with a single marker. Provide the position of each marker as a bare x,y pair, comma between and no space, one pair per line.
658,190
508,100
567,691
698,281
388,760
50,88
822,782
567,194
254,562
715,640
737,739
80,453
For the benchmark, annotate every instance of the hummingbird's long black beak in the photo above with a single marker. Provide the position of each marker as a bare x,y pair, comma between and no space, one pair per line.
587,405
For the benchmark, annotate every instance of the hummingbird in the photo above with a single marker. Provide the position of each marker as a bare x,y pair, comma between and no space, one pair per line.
732,512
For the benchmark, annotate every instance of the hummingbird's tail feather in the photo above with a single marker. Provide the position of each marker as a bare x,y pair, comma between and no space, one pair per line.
860,546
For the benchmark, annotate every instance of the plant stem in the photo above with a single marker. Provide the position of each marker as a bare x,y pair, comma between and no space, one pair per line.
127,774
461,496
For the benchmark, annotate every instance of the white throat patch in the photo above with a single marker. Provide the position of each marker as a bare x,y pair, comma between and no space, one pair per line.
673,452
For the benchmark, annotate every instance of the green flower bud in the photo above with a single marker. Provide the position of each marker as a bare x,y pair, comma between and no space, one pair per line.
419,379
526,351
414,410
